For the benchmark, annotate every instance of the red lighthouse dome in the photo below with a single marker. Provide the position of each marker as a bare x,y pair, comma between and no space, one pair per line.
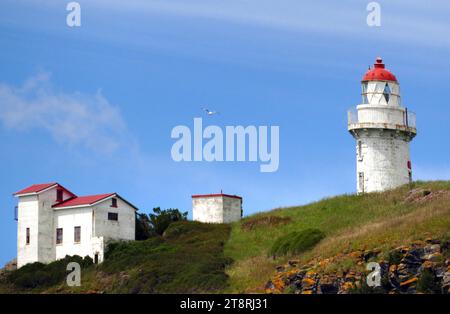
379,73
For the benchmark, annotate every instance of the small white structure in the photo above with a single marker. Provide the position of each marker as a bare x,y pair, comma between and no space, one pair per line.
53,222
382,129
216,208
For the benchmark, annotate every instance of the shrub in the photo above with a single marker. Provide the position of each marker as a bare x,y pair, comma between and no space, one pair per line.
296,242
38,275
155,224
143,229
189,258
395,257
363,288
427,282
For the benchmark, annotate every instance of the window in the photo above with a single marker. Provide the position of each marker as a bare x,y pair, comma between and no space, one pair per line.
360,155
59,195
364,87
77,234
387,92
361,182
114,202
59,235
28,236
364,93
113,216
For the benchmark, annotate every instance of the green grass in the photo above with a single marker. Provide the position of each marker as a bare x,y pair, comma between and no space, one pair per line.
40,276
350,222
193,257
296,242
188,258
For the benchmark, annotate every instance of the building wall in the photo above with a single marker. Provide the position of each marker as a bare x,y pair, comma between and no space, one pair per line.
68,219
47,233
382,157
27,214
123,229
381,114
207,209
216,209
35,212
232,209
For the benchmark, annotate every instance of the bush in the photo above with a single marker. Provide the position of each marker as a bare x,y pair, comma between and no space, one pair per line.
155,224
296,242
38,275
395,257
427,282
189,258
363,288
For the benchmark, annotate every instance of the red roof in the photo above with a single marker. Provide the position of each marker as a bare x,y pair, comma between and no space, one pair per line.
83,200
379,73
215,195
35,188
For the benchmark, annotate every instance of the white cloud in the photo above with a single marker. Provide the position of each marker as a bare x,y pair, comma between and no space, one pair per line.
401,21
70,118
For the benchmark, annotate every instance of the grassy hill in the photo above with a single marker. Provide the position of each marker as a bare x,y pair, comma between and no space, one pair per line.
195,257
350,222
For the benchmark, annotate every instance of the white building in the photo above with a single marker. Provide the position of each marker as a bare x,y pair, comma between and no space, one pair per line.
216,208
382,129
53,222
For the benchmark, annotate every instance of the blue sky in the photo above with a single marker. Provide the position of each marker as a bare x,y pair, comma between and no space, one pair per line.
93,107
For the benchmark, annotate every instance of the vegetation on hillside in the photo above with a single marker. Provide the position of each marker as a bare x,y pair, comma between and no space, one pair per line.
38,275
349,222
188,258
296,242
155,224
191,257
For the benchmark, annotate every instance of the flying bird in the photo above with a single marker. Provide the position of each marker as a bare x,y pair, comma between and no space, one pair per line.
209,112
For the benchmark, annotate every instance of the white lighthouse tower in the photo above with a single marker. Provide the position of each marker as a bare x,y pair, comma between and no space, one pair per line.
382,129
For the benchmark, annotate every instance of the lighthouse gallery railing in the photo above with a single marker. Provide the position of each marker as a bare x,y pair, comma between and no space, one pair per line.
409,118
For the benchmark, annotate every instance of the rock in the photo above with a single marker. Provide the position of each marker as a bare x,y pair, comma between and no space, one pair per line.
446,283
280,268
409,282
417,252
440,271
308,283
367,255
432,241
328,285
428,265
11,265
402,249
433,248
293,263
346,287
402,277
412,259
434,257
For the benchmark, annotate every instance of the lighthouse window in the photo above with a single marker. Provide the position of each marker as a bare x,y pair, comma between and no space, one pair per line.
364,87
360,157
365,100
386,92
361,182
28,236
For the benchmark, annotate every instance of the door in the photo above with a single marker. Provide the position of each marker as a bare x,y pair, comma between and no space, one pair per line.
361,182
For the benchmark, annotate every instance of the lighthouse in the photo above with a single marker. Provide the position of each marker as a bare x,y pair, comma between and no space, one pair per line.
382,128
